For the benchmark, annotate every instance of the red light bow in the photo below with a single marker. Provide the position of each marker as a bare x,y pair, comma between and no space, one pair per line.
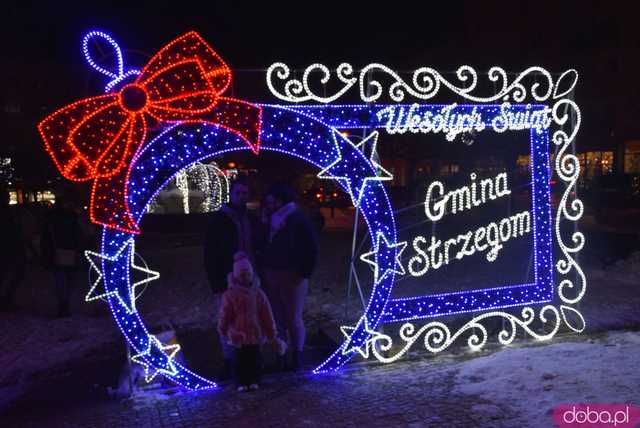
97,138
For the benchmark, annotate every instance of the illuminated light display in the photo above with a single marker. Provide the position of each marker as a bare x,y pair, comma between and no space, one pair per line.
156,359
116,76
425,84
362,349
489,238
354,179
436,201
540,119
384,249
107,139
183,184
98,138
127,253
453,123
306,138
438,337
204,182
213,183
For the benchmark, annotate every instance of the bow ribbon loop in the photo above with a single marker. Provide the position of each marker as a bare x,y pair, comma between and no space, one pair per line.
97,138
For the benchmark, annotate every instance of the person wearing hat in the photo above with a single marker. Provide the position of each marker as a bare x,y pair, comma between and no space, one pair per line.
246,320
232,228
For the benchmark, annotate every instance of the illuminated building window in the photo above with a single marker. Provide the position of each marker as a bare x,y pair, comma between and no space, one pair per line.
523,162
581,157
595,164
607,163
632,157
46,196
449,168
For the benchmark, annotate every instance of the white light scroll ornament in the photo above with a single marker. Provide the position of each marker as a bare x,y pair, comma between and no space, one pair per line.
534,84
425,84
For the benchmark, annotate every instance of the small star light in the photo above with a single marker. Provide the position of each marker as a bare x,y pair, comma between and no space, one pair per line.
384,250
347,170
124,251
156,359
363,349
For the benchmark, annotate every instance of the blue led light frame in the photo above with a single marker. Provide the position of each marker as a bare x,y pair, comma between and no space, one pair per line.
301,132
310,133
283,131
541,290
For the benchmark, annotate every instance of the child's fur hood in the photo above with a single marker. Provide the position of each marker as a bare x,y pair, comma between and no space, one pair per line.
232,283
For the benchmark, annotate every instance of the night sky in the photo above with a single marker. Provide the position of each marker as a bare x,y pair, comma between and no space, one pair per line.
512,34
599,39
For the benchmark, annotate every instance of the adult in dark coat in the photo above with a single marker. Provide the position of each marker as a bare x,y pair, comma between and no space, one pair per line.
60,246
12,254
289,259
231,229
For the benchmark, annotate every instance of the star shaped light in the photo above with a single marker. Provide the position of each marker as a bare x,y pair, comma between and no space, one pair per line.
383,252
124,251
363,349
156,359
349,171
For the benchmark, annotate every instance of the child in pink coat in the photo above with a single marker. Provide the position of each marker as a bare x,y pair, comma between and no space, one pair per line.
247,321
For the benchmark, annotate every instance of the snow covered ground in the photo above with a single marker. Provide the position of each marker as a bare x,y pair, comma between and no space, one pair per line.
34,344
533,380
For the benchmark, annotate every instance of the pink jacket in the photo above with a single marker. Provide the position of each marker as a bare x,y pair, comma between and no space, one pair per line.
245,315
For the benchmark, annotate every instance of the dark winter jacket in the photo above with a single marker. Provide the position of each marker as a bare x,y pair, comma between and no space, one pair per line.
294,247
61,230
221,243
10,241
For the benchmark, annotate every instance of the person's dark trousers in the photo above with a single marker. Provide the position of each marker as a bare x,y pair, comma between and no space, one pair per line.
247,367
14,273
64,281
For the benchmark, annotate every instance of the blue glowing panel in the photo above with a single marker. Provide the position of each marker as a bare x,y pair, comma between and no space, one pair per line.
285,132
541,290
302,132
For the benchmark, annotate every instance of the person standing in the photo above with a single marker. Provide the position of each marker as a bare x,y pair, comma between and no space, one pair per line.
246,320
12,253
60,250
230,230
289,259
